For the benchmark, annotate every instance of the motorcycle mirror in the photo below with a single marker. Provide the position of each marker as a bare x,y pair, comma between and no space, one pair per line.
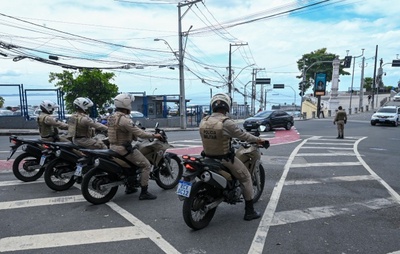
156,127
261,128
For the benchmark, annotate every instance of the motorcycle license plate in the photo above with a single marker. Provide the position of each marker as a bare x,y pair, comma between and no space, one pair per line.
42,160
184,188
78,171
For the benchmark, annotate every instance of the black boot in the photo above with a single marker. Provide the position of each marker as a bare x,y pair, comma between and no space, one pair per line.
144,194
130,186
250,213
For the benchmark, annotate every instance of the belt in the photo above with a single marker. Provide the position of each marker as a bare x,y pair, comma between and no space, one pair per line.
80,137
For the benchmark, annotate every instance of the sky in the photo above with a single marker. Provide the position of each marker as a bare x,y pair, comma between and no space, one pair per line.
266,37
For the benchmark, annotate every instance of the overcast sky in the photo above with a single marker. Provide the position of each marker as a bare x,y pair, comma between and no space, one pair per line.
112,34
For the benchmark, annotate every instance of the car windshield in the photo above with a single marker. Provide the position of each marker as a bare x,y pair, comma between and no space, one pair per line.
263,114
387,110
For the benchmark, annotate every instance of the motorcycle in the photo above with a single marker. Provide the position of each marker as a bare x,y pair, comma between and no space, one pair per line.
110,169
29,165
206,183
64,170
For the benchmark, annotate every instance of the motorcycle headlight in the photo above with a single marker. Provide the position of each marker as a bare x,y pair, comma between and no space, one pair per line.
58,153
96,162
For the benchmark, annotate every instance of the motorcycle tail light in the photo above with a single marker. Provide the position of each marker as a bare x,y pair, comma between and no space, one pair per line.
190,167
46,146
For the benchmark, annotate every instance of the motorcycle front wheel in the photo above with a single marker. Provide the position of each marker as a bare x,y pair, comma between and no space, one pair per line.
194,208
258,178
168,176
94,186
59,175
27,168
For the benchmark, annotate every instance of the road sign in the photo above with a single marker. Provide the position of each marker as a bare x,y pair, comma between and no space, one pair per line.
279,86
396,63
263,81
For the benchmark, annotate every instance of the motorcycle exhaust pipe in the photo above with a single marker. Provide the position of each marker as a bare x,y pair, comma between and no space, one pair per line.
214,179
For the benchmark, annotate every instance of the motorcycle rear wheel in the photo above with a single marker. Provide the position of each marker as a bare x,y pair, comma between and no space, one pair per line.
193,206
258,178
93,181
166,178
59,175
26,168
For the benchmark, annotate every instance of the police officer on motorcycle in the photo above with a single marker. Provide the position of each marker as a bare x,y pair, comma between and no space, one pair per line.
81,127
48,125
121,133
216,132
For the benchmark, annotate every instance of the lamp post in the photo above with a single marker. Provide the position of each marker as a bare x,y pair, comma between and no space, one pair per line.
223,78
230,65
352,78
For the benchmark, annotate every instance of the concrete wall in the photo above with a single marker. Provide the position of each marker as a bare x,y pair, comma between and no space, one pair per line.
16,122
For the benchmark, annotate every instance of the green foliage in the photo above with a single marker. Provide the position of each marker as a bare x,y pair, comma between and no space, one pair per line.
1,102
368,83
326,67
93,84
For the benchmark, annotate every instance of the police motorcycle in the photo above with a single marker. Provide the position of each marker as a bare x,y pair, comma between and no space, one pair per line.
206,183
110,169
64,170
29,165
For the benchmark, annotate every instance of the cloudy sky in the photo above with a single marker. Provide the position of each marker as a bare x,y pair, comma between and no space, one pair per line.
273,35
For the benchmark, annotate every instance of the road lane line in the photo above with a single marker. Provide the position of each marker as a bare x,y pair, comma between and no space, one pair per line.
52,240
391,191
327,148
313,213
334,144
146,229
41,202
260,236
324,154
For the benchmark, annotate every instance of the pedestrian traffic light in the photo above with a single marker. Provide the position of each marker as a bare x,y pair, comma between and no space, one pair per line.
347,62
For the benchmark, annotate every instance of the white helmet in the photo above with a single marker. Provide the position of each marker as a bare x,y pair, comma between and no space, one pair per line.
220,100
83,103
48,106
124,100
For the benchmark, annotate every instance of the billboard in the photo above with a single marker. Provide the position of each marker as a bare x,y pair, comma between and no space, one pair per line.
320,84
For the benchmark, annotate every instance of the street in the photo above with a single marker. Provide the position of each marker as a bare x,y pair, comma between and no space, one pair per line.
322,195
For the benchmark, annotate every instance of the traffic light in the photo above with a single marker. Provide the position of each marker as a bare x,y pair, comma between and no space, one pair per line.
347,62
301,93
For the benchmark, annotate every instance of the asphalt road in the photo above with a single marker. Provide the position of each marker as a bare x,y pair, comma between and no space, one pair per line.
323,195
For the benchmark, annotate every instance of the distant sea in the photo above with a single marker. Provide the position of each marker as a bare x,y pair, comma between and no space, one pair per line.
13,100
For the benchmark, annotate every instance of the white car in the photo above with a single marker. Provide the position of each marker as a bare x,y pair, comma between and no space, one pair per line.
396,97
386,115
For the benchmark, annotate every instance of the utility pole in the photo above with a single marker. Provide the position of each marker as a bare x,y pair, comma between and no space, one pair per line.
360,105
352,79
182,97
253,89
374,83
230,66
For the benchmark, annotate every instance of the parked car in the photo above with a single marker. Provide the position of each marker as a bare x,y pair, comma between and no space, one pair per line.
386,115
396,97
136,115
270,119
6,112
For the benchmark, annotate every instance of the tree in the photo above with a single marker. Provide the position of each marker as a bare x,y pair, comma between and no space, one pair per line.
368,82
1,101
93,84
326,67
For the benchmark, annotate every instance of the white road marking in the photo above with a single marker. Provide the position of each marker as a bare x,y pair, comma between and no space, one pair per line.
41,202
332,179
335,144
51,240
312,213
257,245
18,182
146,229
330,148
326,164
323,154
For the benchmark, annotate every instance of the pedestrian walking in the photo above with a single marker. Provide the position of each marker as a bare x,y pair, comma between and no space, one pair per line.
340,120
369,99
321,111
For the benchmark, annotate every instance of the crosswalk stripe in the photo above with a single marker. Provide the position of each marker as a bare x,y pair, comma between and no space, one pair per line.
312,213
331,179
51,240
18,182
325,164
41,202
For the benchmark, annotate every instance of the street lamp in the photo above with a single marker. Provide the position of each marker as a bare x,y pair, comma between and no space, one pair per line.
352,78
223,78
182,99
